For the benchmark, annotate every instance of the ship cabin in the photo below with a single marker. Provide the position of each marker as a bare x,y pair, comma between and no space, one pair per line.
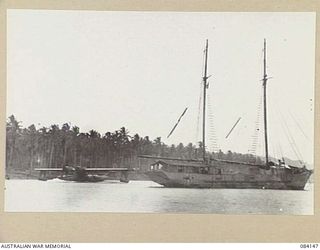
180,166
217,167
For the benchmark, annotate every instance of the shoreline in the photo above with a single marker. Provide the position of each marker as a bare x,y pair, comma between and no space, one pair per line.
26,176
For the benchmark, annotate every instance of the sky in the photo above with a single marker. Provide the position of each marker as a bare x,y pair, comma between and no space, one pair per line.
105,70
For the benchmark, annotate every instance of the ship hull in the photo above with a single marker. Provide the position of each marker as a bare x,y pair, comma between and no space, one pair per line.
243,178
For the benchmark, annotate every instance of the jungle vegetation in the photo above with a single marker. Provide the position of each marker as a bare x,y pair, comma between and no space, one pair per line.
57,146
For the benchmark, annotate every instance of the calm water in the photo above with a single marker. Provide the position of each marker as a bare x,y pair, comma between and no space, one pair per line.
146,196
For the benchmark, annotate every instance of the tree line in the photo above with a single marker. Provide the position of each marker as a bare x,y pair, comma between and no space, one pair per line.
57,146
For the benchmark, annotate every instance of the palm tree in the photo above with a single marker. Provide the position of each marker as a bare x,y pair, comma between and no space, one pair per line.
32,142
13,132
53,140
158,146
94,137
75,143
190,150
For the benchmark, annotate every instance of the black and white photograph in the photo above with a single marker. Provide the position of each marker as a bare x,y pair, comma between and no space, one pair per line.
160,112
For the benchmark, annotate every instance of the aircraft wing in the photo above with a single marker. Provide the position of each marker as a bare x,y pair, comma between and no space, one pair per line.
48,169
87,169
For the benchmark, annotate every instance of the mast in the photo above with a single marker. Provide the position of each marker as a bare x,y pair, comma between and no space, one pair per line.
205,86
265,101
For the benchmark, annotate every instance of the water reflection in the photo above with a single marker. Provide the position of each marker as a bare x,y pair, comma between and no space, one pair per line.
149,197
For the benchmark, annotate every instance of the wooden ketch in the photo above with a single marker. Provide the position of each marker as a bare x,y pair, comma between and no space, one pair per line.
215,173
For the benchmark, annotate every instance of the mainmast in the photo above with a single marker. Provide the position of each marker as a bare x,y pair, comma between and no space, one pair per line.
205,86
265,101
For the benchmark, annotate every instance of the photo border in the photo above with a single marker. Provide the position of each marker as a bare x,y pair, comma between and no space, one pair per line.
124,227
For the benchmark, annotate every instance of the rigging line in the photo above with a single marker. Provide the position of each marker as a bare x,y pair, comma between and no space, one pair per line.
210,118
293,143
280,148
298,125
212,125
199,112
255,136
288,133
281,119
200,98
203,61
274,151
261,61
274,133
289,137
275,142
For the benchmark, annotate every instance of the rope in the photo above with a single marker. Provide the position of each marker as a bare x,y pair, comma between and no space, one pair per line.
298,125
280,149
255,136
203,61
213,137
199,113
295,147
290,138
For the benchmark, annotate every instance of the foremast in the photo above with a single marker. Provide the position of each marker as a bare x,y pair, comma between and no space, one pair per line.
265,78
205,86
